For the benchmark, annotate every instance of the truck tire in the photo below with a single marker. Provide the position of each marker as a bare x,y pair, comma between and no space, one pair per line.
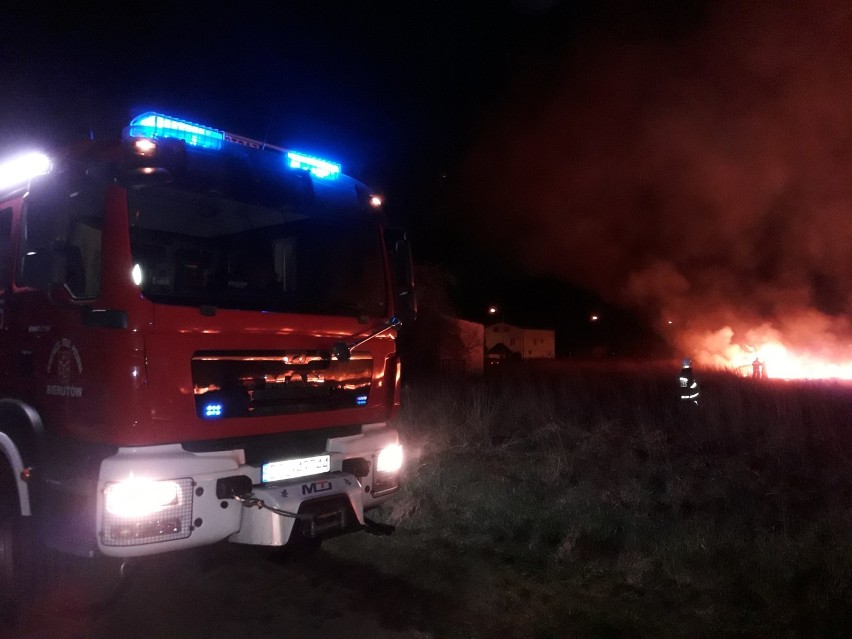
11,548
68,583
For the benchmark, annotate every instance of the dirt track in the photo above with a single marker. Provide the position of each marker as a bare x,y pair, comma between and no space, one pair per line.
232,591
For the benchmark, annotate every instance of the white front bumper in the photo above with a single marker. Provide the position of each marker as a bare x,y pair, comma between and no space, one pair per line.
329,504
199,517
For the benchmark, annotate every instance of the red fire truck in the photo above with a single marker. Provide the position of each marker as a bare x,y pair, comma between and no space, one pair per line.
197,343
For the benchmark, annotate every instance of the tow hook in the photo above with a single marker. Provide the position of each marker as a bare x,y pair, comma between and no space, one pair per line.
233,487
376,528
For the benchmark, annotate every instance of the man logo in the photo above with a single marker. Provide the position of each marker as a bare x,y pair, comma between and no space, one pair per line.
316,487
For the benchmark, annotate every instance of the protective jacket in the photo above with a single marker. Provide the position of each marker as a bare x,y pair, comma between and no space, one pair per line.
688,386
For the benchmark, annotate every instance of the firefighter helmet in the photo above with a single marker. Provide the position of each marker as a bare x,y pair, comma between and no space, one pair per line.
687,363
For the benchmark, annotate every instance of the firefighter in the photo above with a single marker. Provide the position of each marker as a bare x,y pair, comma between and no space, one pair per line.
757,368
688,386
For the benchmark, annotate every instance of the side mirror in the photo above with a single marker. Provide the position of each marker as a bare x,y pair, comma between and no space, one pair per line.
402,274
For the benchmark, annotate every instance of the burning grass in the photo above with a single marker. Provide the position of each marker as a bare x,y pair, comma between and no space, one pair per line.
583,501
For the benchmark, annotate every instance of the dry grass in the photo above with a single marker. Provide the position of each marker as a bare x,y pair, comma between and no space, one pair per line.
581,501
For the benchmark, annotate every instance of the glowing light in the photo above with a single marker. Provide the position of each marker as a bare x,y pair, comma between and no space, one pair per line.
317,166
139,497
145,146
361,400
389,459
22,169
136,274
213,410
376,201
157,125
150,126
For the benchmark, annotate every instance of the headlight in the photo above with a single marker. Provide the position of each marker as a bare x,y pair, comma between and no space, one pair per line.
389,460
139,497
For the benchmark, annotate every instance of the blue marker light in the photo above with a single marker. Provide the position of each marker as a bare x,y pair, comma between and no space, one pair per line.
157,125
361,400
318,167
213,410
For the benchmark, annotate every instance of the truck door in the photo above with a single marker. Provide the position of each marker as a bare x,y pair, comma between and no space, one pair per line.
58,276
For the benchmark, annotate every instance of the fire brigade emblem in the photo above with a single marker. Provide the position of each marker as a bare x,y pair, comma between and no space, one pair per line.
64,366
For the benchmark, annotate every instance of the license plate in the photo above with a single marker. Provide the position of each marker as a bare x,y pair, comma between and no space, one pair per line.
290,468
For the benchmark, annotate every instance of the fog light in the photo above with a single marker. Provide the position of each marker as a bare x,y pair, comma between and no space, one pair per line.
139,497
140,511
388,465
389,460
132,531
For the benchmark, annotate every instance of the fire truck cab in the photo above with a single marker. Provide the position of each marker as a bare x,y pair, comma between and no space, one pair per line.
197,344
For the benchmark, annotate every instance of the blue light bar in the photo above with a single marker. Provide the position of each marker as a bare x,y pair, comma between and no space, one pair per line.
317,166
361,400
157,125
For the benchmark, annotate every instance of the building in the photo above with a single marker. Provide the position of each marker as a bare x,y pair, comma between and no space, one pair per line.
463,352
504,341
443,345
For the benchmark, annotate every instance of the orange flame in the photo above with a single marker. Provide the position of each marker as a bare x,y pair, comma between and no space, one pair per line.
779,358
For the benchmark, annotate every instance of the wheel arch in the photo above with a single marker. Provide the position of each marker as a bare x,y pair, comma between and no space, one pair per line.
21,440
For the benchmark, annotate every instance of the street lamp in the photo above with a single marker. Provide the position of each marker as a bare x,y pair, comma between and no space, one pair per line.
495,314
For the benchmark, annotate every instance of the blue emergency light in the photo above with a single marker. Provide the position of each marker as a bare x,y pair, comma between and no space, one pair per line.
156,125
320,168
213,410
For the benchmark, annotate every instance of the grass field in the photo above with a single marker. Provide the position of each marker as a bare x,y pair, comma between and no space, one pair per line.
574,500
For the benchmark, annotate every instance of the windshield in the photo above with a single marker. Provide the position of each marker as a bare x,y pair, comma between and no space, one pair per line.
261,250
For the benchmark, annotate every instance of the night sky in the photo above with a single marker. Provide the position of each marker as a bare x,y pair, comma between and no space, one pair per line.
659,162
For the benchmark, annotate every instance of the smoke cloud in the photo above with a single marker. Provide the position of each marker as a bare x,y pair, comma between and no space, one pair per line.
704,178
